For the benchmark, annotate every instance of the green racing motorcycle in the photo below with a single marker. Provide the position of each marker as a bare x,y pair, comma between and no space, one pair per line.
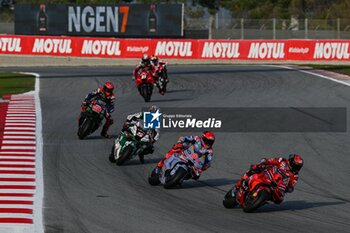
130,142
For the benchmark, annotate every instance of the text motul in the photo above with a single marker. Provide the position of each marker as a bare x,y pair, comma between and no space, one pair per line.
59,46
220,50
101,47
10,45
266,50
331,50
174,48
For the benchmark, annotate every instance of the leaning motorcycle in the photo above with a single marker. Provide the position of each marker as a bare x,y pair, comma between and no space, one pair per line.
160,76
261,189
145,83
129,143
182,165
94,114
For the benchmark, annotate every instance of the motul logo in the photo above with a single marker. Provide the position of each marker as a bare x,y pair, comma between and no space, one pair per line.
220,50
331,50
10,45
101,47
266,50
59,46
170,48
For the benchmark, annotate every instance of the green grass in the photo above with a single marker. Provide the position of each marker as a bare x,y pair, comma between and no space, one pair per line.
13,83
342,69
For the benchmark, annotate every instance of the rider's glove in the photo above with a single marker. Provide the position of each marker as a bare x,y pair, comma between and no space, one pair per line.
256,168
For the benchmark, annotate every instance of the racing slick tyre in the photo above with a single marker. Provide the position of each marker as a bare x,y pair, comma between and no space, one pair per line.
111,155
172,180
146,91
230,200
153,179
84,128
253,203
124,155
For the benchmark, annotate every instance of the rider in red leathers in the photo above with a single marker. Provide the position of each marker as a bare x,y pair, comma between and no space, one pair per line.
105,93
202,146
289,167
145,65
157,64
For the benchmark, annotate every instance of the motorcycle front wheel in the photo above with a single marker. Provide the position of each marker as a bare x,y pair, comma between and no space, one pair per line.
84,128
230,200
125,155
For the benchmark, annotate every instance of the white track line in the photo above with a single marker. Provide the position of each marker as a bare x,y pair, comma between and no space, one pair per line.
17,142
16,176
19,133
19,137
39,193
312,73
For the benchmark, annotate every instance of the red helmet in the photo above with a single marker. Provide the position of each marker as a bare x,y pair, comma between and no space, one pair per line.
208,139
295,162
108,88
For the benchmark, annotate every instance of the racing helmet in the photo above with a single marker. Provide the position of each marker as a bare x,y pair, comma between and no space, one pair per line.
145,60
295,162
108,88
154,60
208,139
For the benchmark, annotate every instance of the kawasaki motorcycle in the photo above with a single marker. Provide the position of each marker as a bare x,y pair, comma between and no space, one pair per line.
130,142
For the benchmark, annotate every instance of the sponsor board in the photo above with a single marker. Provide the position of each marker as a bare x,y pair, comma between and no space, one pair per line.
297,50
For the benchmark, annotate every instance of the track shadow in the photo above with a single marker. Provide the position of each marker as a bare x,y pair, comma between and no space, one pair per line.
171,100
296,205
208,183
97,137
180,91
136,162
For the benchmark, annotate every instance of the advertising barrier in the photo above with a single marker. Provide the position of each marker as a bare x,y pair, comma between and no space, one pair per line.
128,20
296,50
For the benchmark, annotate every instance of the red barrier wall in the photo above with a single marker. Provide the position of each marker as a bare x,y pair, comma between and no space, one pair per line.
320,50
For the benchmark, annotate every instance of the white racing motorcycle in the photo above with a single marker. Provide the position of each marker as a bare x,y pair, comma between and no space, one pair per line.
180,166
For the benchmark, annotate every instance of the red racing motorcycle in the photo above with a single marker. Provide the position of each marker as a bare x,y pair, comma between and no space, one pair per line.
145,83
259,189
161,77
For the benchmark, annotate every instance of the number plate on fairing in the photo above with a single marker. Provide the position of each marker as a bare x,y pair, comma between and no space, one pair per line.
97,108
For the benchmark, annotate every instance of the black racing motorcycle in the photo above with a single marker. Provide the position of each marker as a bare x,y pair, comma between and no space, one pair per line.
91,119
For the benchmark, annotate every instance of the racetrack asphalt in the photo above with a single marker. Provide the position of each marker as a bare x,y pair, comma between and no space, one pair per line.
84,192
